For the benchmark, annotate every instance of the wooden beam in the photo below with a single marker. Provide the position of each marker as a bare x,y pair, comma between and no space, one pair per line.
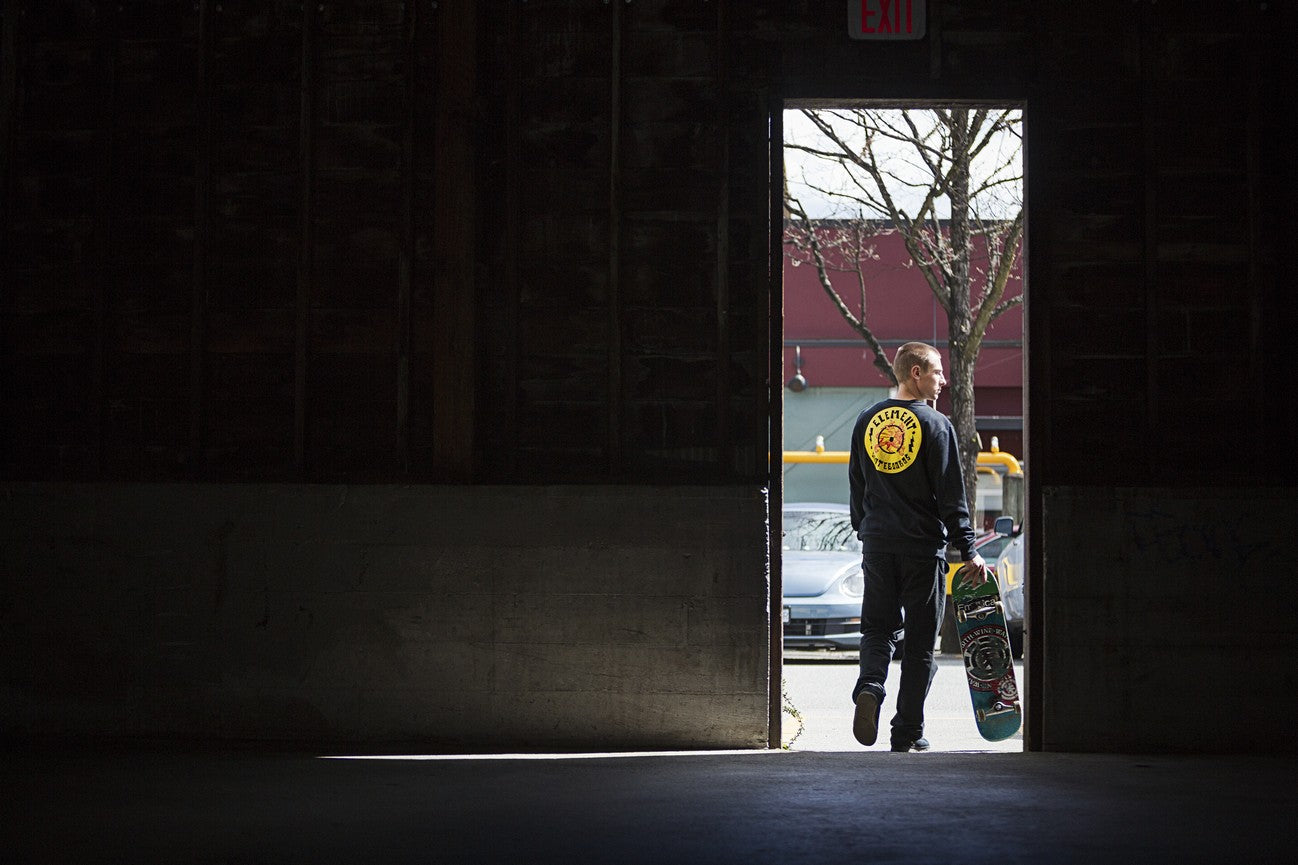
507,464
202,231
406,251
725,445
106,50
8,117
1152,140
9,15
616,395
455,245
306,250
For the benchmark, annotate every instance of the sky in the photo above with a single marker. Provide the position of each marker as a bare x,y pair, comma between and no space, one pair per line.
800,168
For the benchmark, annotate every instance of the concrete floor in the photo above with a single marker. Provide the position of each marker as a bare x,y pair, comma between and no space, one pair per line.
747,807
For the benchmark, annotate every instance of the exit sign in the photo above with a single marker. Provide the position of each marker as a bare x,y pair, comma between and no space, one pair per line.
885,19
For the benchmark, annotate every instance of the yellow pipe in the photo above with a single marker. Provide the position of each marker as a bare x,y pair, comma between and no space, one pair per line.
991,458
987,460
815,457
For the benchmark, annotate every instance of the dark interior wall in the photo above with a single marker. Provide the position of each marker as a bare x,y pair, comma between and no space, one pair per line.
213,214
438,617
1166,186
372,241
1159,197
331,242
1157,188
1159,203
626,246
317,249
528,242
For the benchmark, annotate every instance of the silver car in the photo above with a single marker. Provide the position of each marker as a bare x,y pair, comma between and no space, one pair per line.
1012,573
823,582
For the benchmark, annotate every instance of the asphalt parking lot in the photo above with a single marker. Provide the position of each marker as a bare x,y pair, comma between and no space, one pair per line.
819,685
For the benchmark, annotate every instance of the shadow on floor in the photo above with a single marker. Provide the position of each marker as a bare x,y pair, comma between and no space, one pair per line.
747,807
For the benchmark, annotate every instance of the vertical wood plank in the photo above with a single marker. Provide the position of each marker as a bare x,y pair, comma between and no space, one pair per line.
106,50
725,446
1149,99
455,245
202,231
508,325
406,251
1261,272
302,312
616,397
9,15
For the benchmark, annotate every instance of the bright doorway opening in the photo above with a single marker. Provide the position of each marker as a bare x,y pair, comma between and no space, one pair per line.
900,222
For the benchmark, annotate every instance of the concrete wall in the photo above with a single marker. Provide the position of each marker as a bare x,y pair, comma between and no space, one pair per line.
1169,622
600,617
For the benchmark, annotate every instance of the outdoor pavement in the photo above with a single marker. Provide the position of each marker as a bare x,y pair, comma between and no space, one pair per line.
819,686
178,806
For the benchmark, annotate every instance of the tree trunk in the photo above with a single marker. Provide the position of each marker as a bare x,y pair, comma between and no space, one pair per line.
959,315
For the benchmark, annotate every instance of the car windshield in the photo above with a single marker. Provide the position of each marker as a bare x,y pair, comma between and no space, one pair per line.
823,531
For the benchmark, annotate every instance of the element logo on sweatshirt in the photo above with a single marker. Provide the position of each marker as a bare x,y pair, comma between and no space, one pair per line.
892,439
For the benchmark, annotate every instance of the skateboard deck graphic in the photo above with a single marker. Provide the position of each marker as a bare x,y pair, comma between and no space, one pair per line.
988,659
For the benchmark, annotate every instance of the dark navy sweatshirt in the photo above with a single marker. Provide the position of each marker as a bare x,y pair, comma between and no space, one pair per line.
907,489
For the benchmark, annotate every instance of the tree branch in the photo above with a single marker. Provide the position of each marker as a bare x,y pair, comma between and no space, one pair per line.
858,324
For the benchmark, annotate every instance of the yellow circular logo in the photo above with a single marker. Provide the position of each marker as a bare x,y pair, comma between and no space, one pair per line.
892,439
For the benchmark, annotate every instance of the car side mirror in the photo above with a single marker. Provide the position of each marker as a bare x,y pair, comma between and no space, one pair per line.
1004,526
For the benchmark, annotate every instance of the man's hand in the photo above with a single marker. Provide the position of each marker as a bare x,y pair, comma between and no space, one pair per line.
974,571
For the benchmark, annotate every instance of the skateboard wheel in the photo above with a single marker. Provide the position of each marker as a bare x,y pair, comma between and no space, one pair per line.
959,616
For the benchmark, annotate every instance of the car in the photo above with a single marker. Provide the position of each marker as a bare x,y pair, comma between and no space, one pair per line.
823,583
1010,570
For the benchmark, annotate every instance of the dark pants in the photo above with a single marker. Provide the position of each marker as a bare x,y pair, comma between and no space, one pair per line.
903,596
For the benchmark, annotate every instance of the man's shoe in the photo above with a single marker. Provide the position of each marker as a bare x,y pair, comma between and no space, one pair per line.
865,723
917,745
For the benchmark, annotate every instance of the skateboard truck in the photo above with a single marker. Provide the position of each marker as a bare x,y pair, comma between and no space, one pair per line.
998,708
977,612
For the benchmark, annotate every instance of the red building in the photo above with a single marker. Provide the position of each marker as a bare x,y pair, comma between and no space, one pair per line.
901,308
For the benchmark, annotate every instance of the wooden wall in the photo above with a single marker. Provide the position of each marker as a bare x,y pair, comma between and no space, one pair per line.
218,218
528,240
382,240
628,271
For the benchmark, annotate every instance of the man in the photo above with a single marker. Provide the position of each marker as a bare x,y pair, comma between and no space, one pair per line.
908,503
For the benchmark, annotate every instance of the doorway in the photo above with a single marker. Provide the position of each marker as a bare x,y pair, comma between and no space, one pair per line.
898,222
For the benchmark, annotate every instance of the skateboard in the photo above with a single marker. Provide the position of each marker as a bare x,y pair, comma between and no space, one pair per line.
988,660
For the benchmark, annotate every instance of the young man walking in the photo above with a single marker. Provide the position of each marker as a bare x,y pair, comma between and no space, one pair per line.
908,503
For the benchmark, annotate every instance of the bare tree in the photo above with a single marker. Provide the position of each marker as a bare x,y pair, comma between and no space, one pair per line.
954,156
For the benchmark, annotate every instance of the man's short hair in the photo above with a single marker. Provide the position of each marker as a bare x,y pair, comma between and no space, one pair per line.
919,354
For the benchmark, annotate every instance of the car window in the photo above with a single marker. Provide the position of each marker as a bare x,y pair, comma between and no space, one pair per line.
823,531
992,549
1013,551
